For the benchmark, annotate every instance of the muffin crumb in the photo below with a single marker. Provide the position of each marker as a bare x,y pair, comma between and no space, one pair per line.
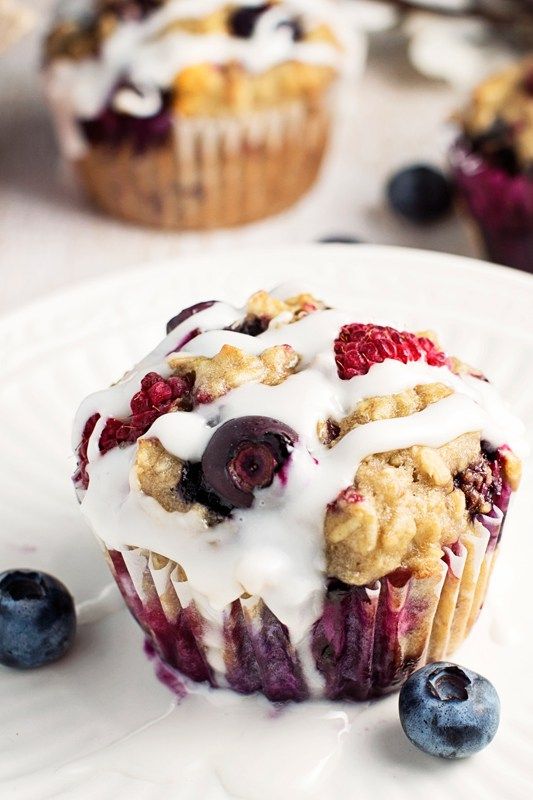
231,367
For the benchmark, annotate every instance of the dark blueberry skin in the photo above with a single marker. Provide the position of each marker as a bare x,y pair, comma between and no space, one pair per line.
420,193
251,325
296,28
449,711
243,20
187,313
37,619
341,238
244,454
113,129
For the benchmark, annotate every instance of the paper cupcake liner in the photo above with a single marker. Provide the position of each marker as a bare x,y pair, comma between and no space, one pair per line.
499,204
367,642
207,173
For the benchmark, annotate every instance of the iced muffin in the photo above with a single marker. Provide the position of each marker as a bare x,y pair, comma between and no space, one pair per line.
193,114
296,503
493,164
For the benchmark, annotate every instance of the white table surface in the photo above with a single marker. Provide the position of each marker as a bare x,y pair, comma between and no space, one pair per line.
51,237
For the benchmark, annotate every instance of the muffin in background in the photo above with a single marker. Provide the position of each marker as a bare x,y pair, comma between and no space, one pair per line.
194,115
297,503
15,21
492,163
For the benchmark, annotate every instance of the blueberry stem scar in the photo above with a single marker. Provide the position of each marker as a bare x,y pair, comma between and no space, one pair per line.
450,683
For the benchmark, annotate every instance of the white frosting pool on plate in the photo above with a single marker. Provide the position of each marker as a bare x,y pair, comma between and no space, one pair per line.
275,549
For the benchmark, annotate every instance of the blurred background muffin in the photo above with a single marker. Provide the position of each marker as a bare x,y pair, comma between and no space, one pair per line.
194,115
493,164
421,65
15,21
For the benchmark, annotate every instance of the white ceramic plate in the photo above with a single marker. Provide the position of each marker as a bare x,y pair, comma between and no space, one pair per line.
98,724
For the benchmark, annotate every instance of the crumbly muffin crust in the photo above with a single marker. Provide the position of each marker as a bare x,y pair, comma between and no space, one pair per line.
389,407
499,119
230,368
202,89
403,507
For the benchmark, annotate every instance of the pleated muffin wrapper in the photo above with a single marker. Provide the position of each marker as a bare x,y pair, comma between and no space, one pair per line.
367,642
498,207
203,173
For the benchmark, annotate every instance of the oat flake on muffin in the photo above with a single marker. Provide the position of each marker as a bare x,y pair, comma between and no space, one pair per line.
297,503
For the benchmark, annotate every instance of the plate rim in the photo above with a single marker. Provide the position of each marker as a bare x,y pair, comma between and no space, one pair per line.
399,254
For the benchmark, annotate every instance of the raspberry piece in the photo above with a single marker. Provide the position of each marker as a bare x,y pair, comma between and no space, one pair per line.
332,430
80,477
160,393
116,432
480,483
149,380
483,483
157,396
348,496
359,346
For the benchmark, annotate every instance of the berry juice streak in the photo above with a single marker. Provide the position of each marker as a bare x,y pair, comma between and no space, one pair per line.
279,666
260,657
357,642
343,642
243,673
176,642
388,669
366,643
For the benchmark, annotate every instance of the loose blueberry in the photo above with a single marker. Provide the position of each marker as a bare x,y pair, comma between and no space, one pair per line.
244,454
37,619
341,238
449,711
243,20
420,193
187,313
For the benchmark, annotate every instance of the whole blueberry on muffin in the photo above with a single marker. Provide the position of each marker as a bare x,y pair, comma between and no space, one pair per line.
297,502
493,164
194,115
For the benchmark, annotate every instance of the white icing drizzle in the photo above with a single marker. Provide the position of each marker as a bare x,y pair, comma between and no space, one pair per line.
109,601
150,53
137,103
274,550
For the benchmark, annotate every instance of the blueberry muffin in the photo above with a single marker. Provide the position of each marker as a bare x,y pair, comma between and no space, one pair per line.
493,165
296,503
194,115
